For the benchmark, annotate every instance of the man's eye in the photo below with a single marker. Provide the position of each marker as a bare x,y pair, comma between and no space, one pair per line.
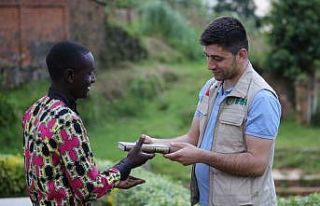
219,59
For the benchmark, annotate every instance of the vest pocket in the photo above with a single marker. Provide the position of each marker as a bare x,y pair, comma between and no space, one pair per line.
229,135
230,189
232,117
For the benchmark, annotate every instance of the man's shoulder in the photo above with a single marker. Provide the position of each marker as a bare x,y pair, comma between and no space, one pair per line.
34,107
59,110
45,109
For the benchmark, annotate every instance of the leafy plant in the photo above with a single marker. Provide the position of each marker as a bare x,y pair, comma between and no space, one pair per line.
12,176
293,53
121,46
310,200
157,191
7,115
158,19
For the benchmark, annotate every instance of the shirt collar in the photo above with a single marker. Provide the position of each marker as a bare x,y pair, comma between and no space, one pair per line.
225,92
70,102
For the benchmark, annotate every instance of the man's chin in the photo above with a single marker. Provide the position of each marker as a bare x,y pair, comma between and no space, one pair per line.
84,96
217,78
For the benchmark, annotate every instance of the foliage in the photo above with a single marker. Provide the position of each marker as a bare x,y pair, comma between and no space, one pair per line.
293,37
245,9
12,176
310,200
184,3
296,158
128,3
147,87
159,50
18,100
158,19
157,191
7,114
97,111
120,46
158,188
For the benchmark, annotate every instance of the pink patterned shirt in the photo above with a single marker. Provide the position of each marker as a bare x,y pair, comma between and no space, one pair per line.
59,164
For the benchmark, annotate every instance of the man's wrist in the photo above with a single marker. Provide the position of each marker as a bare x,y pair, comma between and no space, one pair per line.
204,156
124,166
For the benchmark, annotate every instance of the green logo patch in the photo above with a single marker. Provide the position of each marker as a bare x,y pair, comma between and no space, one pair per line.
237,100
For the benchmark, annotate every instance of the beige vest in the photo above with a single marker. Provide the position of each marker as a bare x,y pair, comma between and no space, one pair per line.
226,189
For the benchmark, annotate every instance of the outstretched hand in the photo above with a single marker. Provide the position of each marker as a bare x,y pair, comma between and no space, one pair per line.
136,157
130,182
185,154
148,139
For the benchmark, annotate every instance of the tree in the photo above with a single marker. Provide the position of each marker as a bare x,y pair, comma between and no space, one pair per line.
295,40
244,8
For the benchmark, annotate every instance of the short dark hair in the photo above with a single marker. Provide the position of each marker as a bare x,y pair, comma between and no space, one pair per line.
227,32
64,55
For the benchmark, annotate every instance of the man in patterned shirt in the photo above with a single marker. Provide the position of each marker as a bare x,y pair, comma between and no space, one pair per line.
59,164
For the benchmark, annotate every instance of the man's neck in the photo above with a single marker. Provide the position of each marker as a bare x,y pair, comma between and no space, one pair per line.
60,94
62,91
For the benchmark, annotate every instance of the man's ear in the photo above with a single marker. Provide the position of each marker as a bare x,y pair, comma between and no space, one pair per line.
243,54
69,75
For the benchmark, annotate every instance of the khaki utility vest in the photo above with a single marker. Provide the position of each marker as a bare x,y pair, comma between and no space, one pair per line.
226,189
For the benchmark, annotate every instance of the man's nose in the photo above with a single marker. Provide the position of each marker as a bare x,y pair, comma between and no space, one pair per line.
211,65
93,78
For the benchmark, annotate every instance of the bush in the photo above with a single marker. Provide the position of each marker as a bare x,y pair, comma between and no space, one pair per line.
121,46
12,176
147,87
311,200
157,191
160,20
96,112
7,115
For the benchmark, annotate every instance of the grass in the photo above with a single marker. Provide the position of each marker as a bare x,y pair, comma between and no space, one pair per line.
298,146
293,135
166,115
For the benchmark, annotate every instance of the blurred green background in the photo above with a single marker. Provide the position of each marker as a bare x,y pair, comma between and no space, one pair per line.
153,87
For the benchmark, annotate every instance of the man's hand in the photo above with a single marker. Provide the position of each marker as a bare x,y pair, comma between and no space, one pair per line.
129,183
148,139
186,153
136,157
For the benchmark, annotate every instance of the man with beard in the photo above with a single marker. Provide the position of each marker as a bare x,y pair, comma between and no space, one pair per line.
231,140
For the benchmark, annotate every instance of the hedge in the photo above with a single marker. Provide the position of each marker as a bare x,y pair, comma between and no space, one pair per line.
12,176
157,191
310,200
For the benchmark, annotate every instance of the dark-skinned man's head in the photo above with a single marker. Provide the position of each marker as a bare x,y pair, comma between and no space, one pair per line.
71,68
